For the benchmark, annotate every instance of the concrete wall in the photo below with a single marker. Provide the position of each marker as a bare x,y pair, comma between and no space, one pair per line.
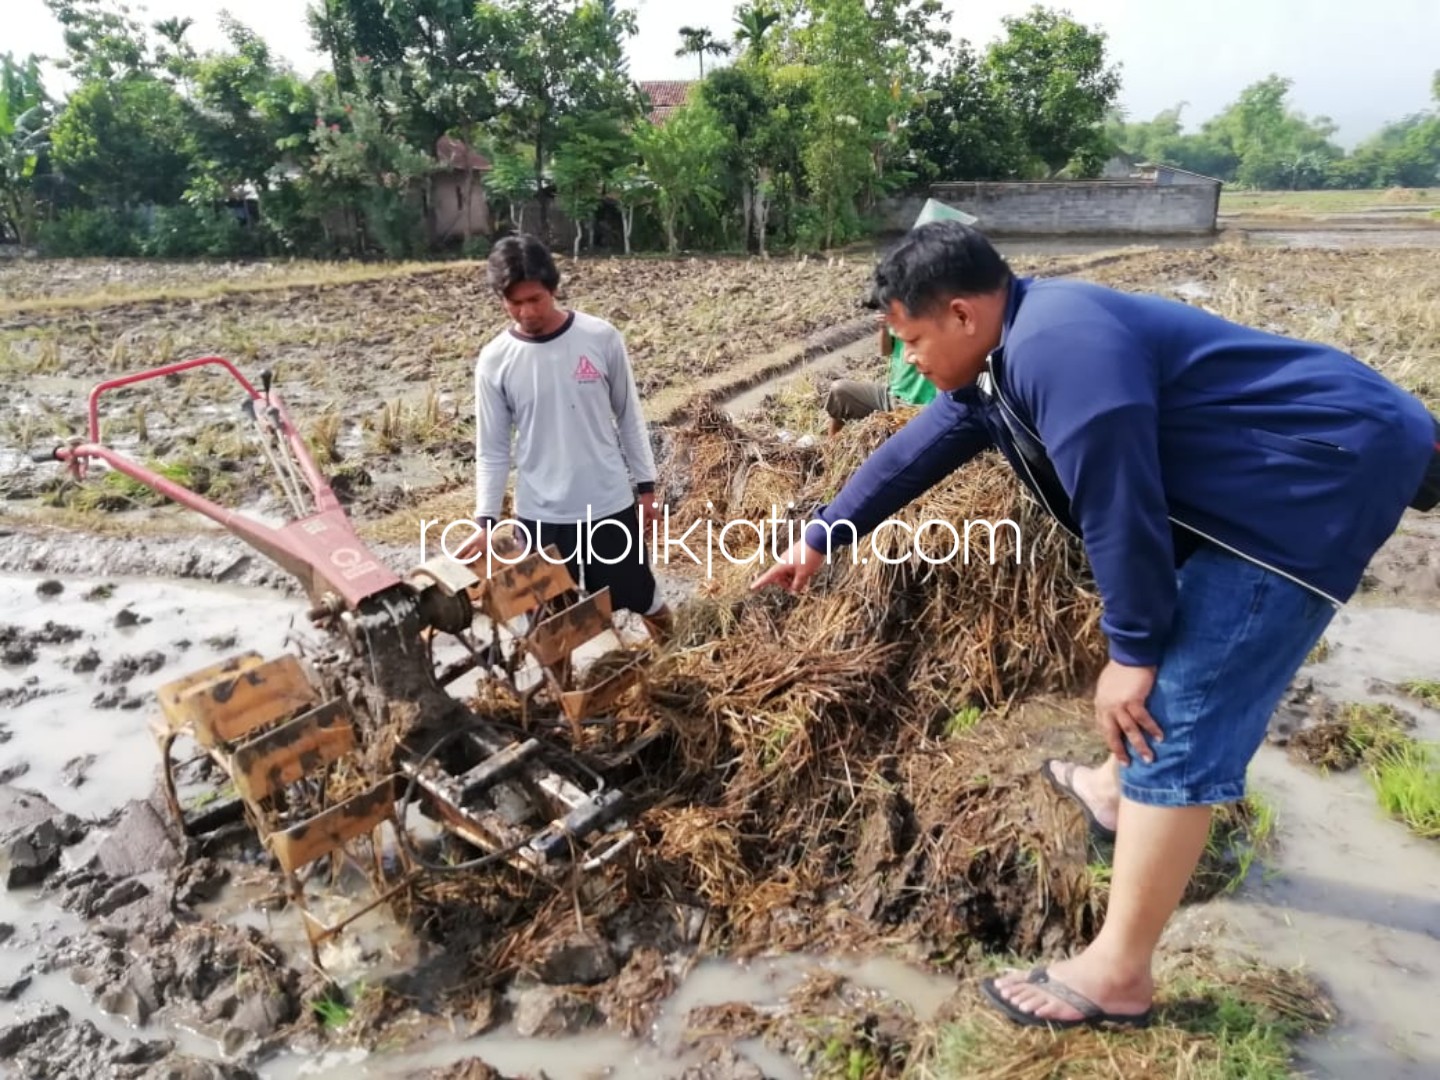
1094,207
450,216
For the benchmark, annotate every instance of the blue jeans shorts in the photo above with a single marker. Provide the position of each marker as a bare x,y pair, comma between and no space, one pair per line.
1241,632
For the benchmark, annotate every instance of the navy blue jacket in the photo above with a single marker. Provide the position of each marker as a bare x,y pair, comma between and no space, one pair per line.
1146,426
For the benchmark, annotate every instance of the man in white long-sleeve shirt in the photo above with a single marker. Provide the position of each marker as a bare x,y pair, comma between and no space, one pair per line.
560,382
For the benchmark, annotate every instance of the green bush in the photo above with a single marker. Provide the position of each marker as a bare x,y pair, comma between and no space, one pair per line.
114,234
393,223
184,231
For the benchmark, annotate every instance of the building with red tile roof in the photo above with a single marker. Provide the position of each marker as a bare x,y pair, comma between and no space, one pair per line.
665,97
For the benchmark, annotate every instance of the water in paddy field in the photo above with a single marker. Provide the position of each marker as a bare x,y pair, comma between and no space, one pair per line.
1350,894
762,983
82,737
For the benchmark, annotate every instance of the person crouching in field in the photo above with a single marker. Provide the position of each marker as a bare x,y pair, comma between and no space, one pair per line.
1229,486
852,399
561,381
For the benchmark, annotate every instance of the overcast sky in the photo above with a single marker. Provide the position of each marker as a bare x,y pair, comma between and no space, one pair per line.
1360,63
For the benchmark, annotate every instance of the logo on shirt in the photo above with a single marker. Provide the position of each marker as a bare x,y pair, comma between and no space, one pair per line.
585,371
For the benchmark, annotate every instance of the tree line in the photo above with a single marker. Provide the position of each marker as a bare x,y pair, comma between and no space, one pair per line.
1261,141
810,114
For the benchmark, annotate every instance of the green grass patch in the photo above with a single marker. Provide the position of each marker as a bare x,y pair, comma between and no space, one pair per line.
1358,734
1406,781
115,491
332,1012
1374,729
1236,1021
1425,691
1403,772
963,721
1241,835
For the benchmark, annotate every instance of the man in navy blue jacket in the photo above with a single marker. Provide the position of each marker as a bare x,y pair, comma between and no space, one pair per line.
1229,486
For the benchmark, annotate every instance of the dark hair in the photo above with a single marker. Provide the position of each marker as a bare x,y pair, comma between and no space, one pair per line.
521,258
937,261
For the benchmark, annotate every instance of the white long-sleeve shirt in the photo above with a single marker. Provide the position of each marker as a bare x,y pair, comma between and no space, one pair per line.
571,403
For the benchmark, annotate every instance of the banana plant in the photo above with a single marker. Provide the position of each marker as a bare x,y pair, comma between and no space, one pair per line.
25,120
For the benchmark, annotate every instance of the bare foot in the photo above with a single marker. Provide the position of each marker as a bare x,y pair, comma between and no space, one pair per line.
1091,977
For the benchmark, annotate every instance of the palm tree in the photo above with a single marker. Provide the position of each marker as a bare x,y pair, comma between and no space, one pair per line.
753,21
174,30
700,41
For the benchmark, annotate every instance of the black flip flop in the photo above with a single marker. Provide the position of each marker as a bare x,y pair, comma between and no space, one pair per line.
1091,1015
1100,832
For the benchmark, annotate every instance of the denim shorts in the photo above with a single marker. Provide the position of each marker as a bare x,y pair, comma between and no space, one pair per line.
1241,632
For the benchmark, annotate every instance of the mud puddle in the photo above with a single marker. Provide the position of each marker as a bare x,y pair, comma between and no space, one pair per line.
1352,896
86,657
79,681
666,1052
1370,650
25,983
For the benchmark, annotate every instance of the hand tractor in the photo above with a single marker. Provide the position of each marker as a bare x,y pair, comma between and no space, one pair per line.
324,751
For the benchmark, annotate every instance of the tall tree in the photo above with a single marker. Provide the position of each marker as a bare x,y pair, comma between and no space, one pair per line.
350,30
252,111
761,124
556,61
175,53
681,157
852,80
126,142
591,149
1266,143
697,41
368,164
1056,78
102,41
965,130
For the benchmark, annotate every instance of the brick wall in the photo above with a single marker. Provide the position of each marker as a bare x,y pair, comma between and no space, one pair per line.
1096,207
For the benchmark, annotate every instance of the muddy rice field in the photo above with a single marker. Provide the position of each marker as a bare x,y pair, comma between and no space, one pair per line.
839,823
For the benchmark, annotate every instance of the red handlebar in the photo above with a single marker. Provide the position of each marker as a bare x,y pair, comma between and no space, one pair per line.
158,373
322,550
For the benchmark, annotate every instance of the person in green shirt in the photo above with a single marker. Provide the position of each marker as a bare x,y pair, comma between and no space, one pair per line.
852,399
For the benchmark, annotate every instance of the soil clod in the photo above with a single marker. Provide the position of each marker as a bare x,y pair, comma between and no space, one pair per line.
46,1043
86,662
14,772
76,769
32,855
139,842
549,1011
119,698
469,1069
584,959
128,667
